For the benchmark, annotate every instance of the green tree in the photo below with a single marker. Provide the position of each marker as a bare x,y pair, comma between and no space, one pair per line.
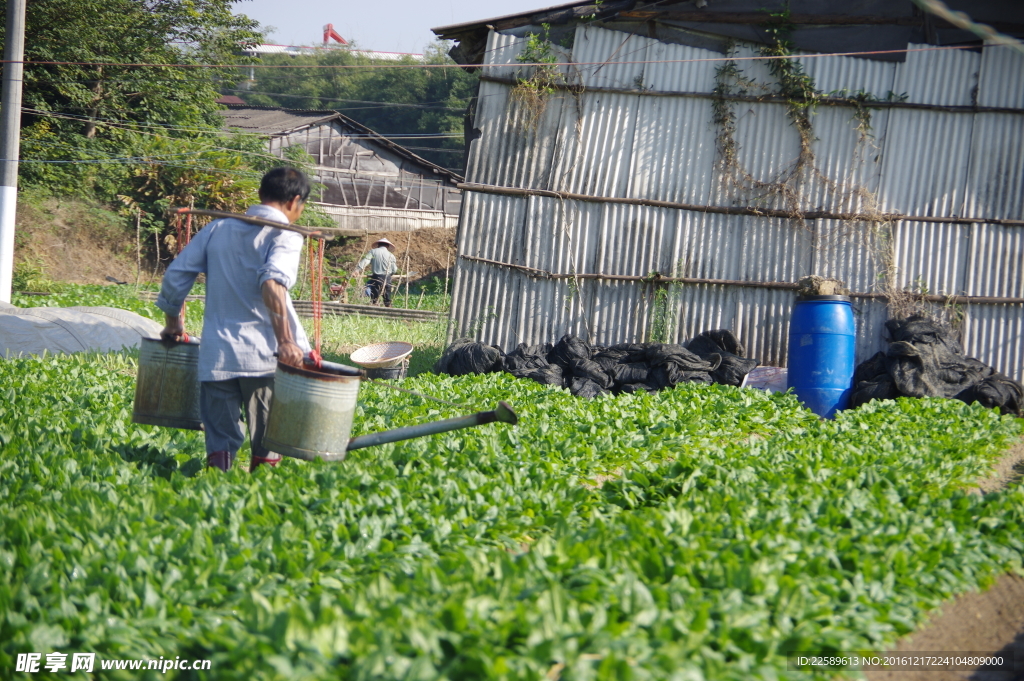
129,117
115,55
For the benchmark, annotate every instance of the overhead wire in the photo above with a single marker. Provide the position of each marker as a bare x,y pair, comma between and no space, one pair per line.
963,21
857,53
154,160
229,131
410,185
377,104
339,99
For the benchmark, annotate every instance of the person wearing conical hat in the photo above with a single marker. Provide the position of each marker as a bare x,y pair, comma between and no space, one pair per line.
382,265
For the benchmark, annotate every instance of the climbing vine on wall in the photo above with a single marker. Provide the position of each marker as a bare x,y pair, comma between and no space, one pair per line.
533,92
795,86
802,183
796,90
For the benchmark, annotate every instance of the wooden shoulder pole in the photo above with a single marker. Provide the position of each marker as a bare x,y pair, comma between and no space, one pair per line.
263,222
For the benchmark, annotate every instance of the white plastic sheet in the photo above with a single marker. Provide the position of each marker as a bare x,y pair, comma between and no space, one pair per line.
33,330
772,379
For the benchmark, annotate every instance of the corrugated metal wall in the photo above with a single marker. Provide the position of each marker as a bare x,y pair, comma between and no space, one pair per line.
926,162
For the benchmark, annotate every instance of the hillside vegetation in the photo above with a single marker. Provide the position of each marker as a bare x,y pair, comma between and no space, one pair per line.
109,143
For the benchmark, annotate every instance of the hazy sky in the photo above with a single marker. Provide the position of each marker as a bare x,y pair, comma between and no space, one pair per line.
383,25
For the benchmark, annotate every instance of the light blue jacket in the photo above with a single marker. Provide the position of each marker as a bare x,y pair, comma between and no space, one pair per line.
237,257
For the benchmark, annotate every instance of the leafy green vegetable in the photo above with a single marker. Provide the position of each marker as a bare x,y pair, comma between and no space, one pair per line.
732,527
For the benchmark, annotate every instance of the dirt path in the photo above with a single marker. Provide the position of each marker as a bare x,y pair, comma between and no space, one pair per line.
986,622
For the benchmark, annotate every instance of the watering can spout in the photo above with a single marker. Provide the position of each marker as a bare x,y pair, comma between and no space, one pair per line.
502,413
311,414
505,414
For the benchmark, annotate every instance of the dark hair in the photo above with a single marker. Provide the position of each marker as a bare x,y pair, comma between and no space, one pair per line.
284,183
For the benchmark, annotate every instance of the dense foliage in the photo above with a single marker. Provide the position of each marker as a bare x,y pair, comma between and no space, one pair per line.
124,120
733,526
98,84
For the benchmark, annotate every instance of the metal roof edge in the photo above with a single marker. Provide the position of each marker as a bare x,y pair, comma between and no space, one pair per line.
469,26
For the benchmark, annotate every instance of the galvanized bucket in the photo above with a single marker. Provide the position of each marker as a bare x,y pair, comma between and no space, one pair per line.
311,414
167,386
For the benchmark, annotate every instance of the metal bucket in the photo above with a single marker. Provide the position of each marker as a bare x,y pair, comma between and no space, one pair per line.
311,414
167,385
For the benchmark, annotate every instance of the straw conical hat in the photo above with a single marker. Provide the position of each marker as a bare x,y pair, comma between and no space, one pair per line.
384,241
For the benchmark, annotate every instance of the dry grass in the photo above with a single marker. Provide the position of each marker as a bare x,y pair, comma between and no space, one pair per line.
73,241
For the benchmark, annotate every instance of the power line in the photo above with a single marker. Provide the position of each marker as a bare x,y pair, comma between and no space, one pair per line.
155,160
450,151
411,183
338,99
380,104
490,66
229,131
129,161
111,161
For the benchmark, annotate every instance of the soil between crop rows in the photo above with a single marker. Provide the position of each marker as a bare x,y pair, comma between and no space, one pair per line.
987,621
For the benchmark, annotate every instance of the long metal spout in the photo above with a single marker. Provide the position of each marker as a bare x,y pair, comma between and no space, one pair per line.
503,413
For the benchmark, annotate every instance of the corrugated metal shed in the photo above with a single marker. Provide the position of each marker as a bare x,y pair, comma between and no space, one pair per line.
388,219
883,26
607,216
271,121
366,181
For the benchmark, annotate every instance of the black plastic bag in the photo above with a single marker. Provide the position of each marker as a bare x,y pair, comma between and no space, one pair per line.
584,368
924,360
466,356
567,349
634,372
996,390
584,387
527,357
549,374
871,381
733,367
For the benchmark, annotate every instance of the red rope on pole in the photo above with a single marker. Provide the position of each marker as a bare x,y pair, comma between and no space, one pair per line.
188,232
181,239
315,251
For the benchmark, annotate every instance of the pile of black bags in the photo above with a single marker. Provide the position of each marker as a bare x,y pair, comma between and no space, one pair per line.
923,360
589,371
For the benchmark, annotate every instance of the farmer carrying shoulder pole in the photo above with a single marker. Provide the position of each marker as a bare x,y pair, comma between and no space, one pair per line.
383,266
249,316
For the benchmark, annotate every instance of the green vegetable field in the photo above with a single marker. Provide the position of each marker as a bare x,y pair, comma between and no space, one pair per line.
699,533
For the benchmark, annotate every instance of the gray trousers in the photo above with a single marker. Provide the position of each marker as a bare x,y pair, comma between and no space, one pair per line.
220,406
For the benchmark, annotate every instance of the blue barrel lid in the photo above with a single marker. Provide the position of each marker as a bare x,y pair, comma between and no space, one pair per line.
844,299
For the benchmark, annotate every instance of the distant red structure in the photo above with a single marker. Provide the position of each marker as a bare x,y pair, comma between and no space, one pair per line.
230,100
329,33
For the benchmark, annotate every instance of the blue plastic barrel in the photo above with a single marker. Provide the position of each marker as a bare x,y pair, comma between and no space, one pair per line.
821,353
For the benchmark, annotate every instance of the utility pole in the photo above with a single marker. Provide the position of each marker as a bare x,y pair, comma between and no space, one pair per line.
10,139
